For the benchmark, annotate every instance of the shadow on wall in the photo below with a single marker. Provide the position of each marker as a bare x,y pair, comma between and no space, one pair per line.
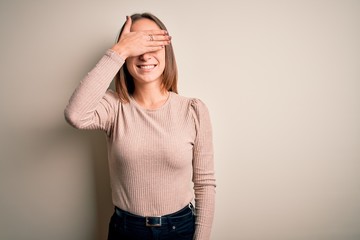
91,171
104,207
95,143
58,174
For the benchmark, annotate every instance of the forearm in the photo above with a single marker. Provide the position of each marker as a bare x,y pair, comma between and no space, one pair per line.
203,172
91,89
205,207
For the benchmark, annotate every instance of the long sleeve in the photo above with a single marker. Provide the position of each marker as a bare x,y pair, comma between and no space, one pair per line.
92,106
180,130
203,171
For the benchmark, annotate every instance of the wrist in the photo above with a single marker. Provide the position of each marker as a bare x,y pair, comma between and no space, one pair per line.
121,52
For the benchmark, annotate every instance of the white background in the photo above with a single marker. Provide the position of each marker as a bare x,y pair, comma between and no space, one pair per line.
281,80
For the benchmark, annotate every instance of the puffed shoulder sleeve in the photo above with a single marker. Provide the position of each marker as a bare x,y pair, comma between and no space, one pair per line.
203,170
92,105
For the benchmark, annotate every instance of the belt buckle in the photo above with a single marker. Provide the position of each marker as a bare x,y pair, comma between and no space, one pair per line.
153,221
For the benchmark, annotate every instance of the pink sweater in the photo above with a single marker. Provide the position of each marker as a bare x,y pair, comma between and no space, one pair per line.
159,159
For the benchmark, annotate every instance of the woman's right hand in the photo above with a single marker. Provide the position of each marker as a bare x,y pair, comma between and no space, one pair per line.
133,44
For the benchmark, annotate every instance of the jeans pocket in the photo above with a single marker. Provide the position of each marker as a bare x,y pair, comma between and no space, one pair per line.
116,228
185,228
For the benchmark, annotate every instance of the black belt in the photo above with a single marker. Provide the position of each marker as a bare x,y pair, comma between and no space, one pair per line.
155,221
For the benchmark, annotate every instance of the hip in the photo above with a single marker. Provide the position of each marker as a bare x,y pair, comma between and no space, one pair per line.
178,225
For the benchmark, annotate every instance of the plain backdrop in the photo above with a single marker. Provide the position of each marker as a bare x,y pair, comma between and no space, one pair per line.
281,80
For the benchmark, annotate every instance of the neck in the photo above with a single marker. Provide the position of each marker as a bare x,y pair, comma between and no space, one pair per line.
150,96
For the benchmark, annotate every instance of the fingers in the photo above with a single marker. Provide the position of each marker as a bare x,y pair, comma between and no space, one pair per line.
159,37
156,32
127,26
155,48
158,44
135,43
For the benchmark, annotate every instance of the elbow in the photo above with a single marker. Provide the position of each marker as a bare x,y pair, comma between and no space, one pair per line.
72,118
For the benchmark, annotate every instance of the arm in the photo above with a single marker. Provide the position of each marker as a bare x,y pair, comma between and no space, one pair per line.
91,106
203,172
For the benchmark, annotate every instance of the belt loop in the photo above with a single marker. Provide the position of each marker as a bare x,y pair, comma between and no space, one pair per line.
191,206
118,212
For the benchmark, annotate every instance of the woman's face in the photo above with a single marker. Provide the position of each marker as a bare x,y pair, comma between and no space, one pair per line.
150,66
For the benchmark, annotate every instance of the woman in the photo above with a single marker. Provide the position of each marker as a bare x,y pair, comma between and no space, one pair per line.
159,143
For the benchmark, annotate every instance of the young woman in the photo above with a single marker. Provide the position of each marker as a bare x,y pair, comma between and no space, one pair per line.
159,143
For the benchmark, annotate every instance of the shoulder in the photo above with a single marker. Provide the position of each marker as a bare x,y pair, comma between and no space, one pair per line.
200,111
198,105
111,97
195,105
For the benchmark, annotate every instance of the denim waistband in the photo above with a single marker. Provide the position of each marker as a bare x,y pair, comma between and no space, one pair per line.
163,220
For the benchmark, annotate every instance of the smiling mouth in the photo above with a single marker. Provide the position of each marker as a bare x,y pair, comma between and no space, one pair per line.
147,67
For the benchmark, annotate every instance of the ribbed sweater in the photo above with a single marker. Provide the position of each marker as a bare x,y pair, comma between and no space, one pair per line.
159,160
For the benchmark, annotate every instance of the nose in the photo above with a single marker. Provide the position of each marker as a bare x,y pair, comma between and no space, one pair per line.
145,56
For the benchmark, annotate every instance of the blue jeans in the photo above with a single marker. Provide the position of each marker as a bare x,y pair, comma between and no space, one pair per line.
126,226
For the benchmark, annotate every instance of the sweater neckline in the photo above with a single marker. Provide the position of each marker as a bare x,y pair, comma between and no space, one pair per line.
133,101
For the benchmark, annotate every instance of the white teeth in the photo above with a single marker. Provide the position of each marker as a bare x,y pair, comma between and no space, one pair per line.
147,66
